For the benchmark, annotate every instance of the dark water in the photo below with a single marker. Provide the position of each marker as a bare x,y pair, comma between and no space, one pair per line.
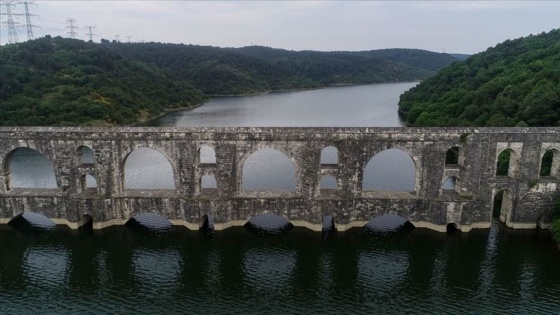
124,270
150,267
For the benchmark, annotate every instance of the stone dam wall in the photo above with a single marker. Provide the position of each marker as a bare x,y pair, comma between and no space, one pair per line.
528,196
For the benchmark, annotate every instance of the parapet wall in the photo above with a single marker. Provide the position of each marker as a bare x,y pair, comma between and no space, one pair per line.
530,195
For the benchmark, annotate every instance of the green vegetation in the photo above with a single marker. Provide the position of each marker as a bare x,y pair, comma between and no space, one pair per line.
59,82
257,69
516,83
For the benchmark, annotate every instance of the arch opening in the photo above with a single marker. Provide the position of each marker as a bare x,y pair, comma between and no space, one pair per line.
268,170
328,182
388,224
27,168
146,168
449,184
550,163
208,182
329,227
452,228
86,222
29,220
505,164
87,182
206,224
329,155
207,155
390,170
503,205
452,156
149,222
86,155
268,223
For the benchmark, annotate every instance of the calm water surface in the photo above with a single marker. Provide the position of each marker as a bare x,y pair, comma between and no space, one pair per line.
237,271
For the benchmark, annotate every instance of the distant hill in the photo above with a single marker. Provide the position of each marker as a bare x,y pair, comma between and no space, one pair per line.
60,81
461,56
256,69
515,83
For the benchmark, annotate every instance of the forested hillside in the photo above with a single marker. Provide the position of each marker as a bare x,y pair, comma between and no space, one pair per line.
60,81
254,69
515,83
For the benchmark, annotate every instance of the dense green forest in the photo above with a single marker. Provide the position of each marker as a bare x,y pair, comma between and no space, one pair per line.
60,81
257,69
516,83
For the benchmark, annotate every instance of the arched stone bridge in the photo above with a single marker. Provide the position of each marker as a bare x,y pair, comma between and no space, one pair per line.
468,155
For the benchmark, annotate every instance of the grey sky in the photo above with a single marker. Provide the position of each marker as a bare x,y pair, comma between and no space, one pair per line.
450,26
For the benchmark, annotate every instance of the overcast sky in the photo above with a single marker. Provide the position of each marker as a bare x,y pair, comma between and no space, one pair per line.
450,26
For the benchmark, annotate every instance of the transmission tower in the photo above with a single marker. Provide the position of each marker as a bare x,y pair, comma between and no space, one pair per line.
72,27
129,37
12,32
90,33
28,19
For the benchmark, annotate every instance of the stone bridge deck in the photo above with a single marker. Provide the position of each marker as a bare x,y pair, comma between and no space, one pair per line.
527,202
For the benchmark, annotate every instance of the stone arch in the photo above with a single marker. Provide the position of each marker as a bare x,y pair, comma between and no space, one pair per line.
452,156
40,166
328,182
388,222
86,221
270,222
206,155
381,167
550,163
329,155
85,155
503,205
87,181
507,163
268,169
452,228
156,165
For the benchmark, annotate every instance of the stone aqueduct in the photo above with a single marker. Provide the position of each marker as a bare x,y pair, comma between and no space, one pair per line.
528,196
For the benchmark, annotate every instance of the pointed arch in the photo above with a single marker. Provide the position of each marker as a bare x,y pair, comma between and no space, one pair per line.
507,163
550,163
208,182
206,155
503,204
390,170
452,156
268,169
25,167
146,168
85,155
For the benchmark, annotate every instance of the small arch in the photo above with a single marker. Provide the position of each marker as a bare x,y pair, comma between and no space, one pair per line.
390,170
506,163
86,222
86,155
503,205
550,163
206,223
329,155
146,168
268,170
452,156
452,228
27,168
328,182
32,219
87,182
449,183
208,182
207,155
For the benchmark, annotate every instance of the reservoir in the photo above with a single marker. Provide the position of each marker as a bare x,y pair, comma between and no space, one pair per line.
238,271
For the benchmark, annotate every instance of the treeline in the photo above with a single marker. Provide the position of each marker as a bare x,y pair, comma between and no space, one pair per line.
257,69
60,81
516,83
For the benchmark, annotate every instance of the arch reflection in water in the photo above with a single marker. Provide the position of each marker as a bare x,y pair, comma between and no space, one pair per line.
47,267
269,269
146,168
149,222
33,220
381,271
269,223
157,269
268,170
390,170
388,224
28,168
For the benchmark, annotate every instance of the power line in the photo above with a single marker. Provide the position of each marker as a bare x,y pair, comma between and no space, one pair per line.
12,32
90,33
28,19
72,27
